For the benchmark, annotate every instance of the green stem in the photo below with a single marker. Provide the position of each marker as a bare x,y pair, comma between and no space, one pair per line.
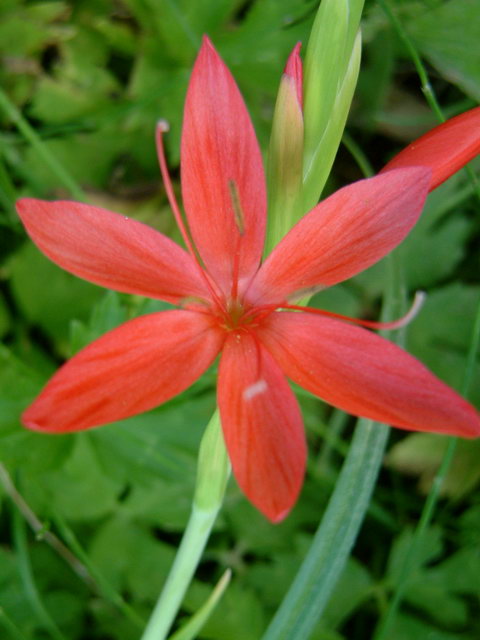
335,537
212,476
40,530
96,580
7,194
31,591
358,155
32,137
188,556
417,61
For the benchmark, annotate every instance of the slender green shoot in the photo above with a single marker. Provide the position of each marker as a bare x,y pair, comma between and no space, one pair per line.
191,629
40,147
31,592
102,584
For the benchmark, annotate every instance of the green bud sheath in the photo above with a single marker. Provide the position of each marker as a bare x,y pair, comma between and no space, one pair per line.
284,168
316,175
332,57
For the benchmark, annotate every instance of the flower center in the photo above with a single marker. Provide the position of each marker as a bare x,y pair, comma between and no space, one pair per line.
234,315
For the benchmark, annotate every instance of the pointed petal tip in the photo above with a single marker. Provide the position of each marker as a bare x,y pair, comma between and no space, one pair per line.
30,424
471,428
207,45
366,375
445,148
34,422
294,69
293,58
278,517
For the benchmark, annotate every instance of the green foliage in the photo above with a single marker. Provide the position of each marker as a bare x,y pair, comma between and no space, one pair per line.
447,35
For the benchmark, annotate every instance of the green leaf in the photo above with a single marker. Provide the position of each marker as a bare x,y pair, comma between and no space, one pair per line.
24,30
190,630
240,616
437,243
4,317
58,100
429,590
18,386
460,571
335,536
75,151
107,314
410,628
440,334
79,489
428,548
117,543
161,444
448,36
47,295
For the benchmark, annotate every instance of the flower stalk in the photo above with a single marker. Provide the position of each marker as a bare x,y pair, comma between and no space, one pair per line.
212,476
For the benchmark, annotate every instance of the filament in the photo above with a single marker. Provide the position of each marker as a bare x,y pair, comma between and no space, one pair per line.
163,127
240,222
260,312
395,324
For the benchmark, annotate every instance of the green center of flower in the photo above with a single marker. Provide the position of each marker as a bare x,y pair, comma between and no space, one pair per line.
234,317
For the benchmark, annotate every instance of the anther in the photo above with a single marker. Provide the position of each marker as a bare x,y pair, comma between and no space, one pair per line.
163,125
237,207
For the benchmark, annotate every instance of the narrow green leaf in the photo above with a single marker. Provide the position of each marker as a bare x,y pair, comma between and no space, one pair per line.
34,139
316,173
190,630
318,575
331,71
31,591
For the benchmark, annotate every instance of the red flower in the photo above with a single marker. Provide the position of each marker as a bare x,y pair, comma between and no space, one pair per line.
235,305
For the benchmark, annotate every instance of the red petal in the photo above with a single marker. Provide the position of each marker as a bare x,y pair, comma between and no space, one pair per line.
129,370
343,235
366,375
262,425
219,147
111,250
294,69
445,149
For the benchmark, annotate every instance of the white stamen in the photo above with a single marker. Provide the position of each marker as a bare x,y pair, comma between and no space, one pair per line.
255,389
417,304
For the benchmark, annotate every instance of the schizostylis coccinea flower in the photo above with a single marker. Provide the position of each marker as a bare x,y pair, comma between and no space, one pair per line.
232,304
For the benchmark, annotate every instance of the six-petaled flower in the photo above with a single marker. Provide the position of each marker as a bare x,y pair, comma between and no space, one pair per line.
231,303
